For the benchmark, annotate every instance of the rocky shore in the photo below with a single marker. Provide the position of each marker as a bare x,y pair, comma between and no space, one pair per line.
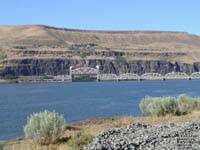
184,136
140,132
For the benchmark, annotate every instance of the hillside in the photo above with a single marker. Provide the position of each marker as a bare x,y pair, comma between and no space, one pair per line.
28,45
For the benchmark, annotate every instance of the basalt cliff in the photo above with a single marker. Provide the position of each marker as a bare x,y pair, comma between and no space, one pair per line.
43,50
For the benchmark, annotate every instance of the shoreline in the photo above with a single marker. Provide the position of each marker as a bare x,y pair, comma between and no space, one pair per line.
96,126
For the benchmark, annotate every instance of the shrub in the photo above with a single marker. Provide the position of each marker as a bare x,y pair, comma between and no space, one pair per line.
44,127
21,47
79,140
121,60
108,49
12,81
72,47
187,104
158,106
2,55
161,106
1,146
10,77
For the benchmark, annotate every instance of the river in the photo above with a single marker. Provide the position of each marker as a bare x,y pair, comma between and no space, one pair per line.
81,100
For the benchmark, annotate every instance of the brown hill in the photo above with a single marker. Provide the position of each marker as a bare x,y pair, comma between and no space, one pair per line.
144,51
45,38
122,40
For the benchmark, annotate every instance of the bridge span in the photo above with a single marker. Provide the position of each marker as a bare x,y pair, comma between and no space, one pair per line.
96,73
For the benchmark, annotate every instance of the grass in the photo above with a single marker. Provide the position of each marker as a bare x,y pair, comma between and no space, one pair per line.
2,55
78,141
121,60
85,130
160,110
74,48
20,47
1,146
12,81
162,106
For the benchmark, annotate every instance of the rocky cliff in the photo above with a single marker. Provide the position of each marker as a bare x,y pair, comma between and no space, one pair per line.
27,67
44,50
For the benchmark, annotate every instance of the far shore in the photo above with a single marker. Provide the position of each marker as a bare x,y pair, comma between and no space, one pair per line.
2,81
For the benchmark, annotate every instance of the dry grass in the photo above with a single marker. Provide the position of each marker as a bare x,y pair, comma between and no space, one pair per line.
51,39
94,127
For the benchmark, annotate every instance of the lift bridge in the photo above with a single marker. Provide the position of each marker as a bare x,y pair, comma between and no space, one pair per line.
95,73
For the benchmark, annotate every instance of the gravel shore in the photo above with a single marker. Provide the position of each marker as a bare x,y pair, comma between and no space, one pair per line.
184,136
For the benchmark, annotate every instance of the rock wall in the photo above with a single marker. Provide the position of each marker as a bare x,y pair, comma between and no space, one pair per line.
27,67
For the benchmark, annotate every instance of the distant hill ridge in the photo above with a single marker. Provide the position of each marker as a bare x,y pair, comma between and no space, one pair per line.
41,49
48,36
87,30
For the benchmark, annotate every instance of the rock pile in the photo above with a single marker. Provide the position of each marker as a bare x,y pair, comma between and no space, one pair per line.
184,136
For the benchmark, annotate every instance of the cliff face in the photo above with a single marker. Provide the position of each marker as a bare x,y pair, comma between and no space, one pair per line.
28,67
44,50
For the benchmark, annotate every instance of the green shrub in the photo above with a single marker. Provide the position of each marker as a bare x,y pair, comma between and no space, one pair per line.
72,47
44,127
158,106
12,81
187,104
1,146
10,77
161,106
108,49
121,60
79,140
2,55
21,47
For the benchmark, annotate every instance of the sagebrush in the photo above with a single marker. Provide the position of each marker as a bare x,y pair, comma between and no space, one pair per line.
161,106
44,127
1,146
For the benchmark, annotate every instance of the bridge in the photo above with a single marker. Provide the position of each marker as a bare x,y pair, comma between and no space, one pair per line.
128,76
95,73
195,75
176,75
86,72
108,77
151,76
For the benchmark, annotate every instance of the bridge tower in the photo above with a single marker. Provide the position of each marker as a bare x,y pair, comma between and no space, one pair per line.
70,72
84,71
98,72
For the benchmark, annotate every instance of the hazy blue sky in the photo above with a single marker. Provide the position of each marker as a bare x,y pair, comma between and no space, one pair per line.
175,15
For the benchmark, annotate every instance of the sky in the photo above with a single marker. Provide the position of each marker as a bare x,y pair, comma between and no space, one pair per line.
165,15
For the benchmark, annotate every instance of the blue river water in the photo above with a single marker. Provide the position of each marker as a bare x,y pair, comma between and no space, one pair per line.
81,100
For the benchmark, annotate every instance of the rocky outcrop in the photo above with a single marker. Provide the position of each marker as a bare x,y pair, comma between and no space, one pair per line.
45,50
29,67
147,137
108,53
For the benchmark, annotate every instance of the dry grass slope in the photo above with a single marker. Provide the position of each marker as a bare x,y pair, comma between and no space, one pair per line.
15,38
